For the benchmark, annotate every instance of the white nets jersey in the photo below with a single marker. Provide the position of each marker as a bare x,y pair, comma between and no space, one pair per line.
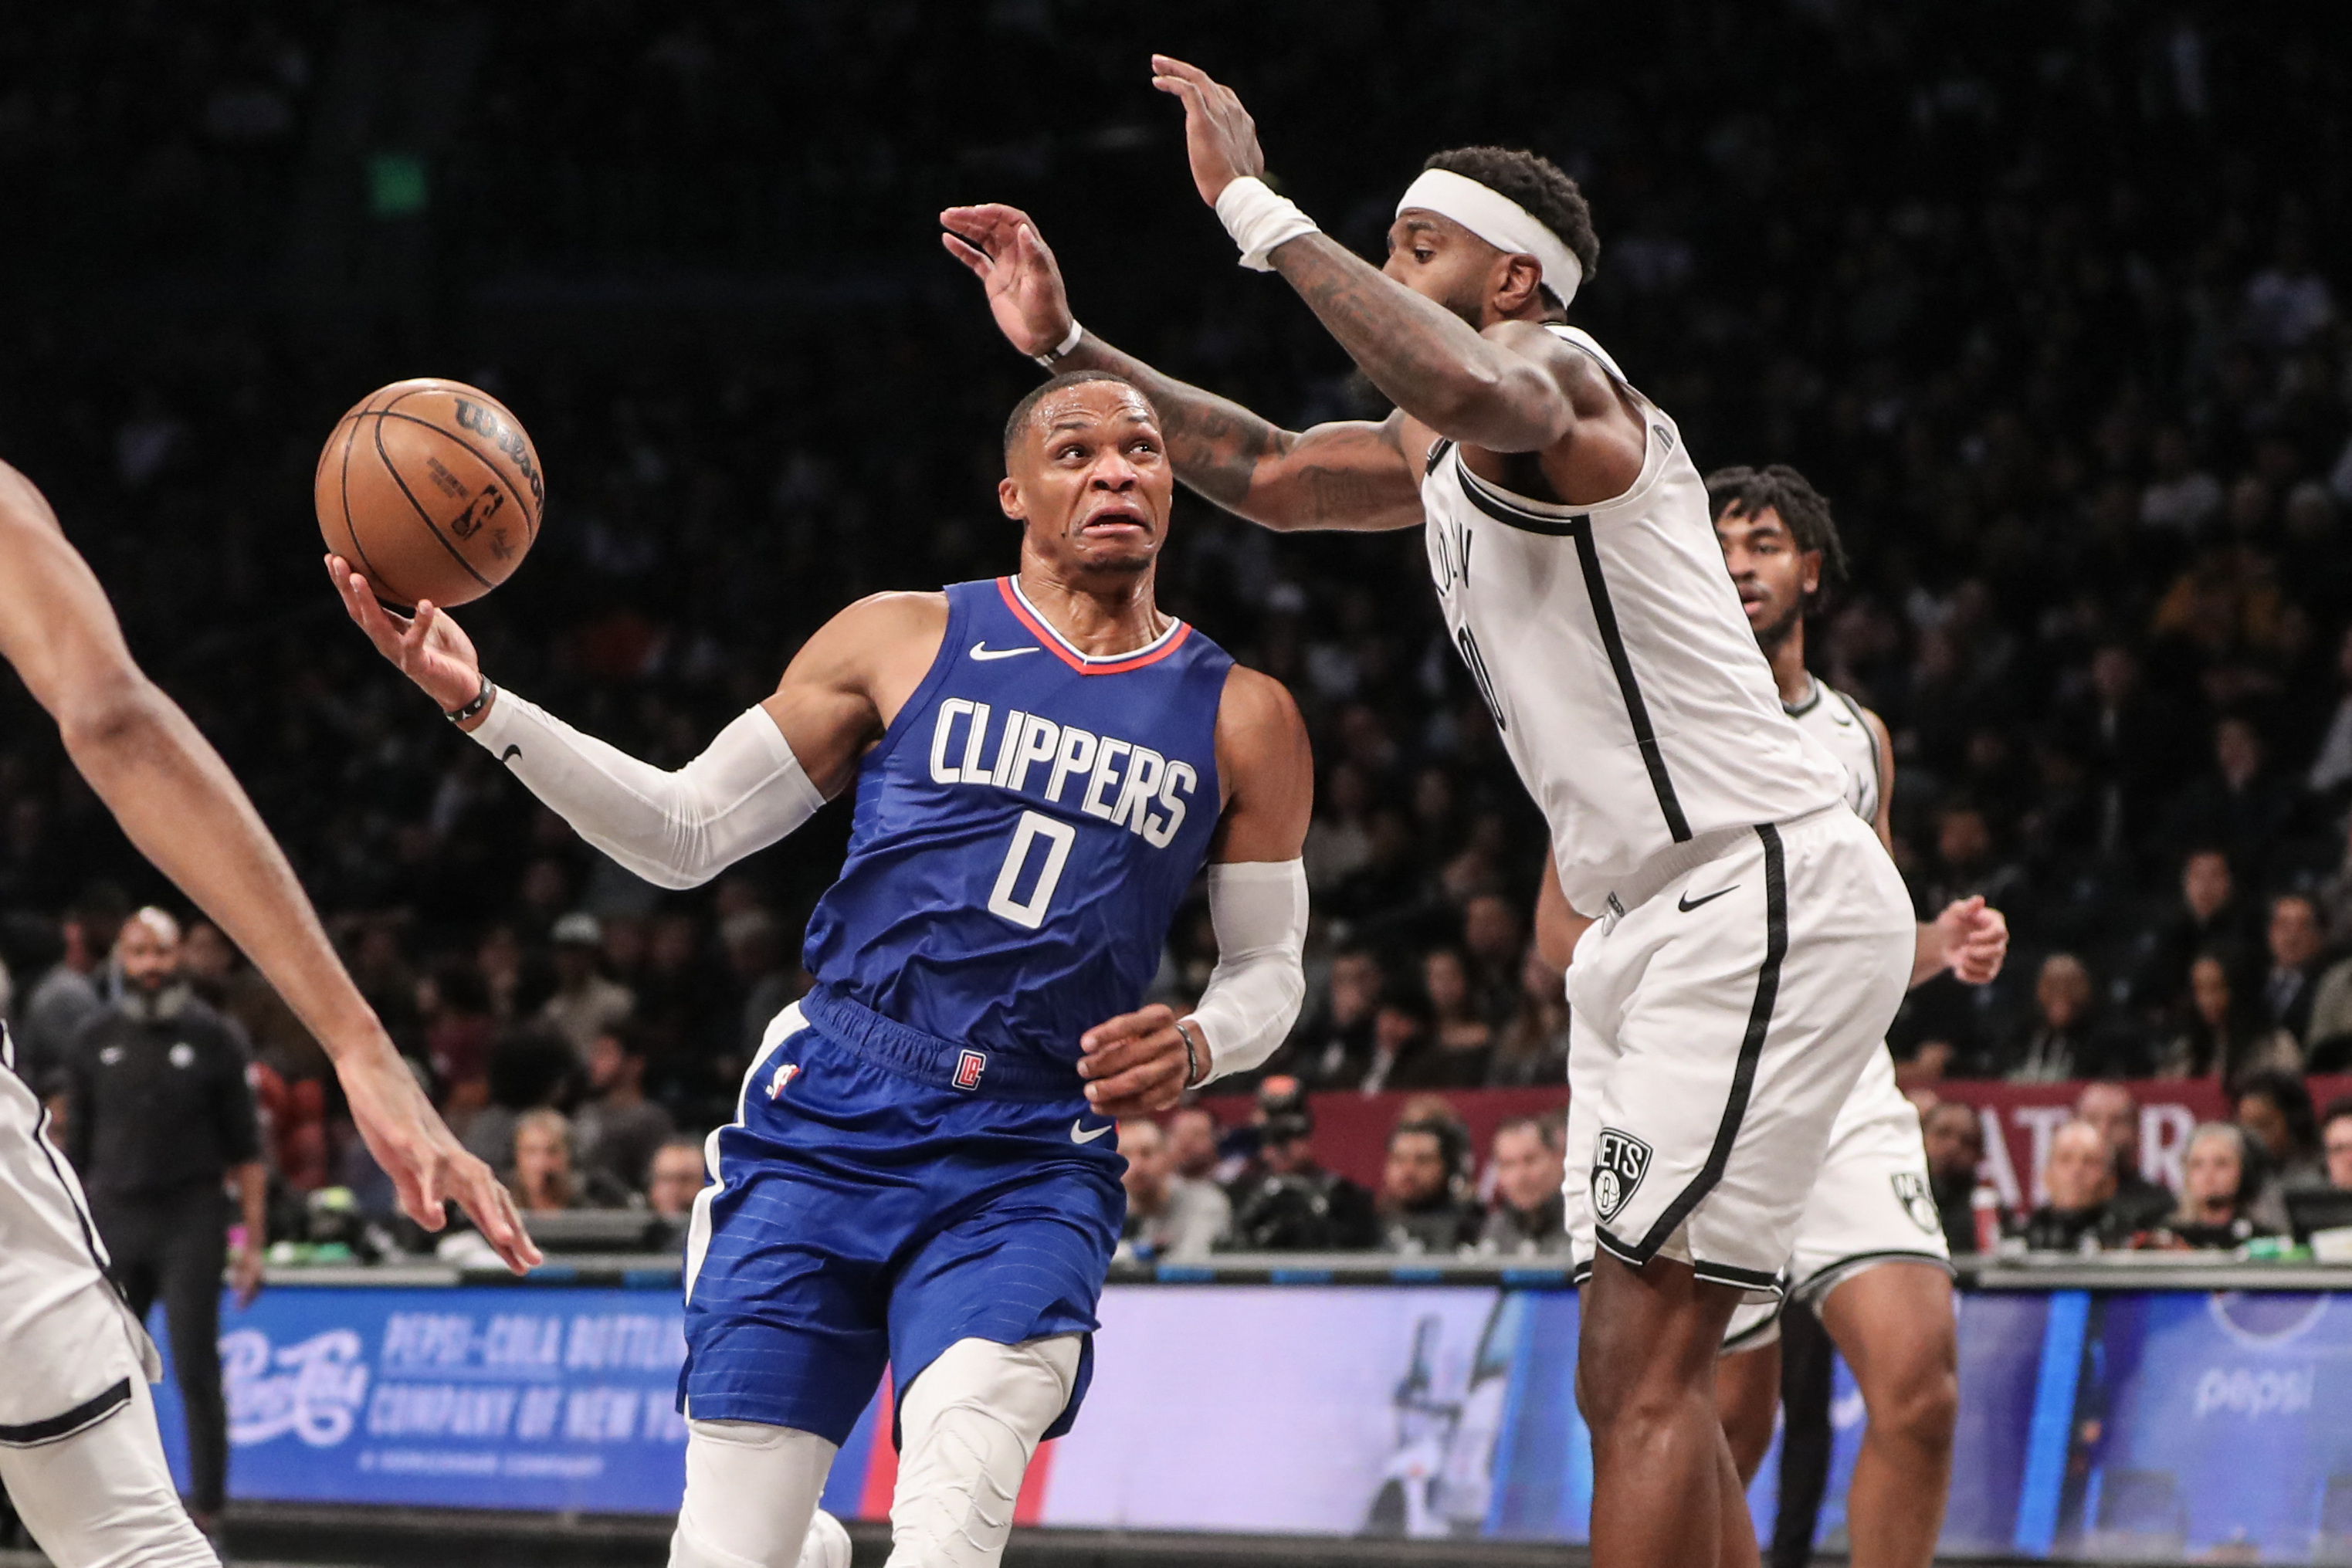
1610,644
1836,719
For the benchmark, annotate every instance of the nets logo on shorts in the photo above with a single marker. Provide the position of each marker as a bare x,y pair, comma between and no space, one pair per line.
1911,1192
970,1065
1618,1166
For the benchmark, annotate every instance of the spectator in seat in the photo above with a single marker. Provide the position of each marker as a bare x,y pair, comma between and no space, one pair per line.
585,1003
1420,1211
2219,1036
2066,1037
1334,1046
1492,939
2209,919
2218,1180
2335,1143
2079,1175
1461,1039
2239,805
1167,1217
544,1178
1192,1151
1402,1056
1954,1135
1529,1217
674,1177
2327,1032
52,1009
2275,1112
2296,942
616,1128
1284,1201
2139,1203
1533,1049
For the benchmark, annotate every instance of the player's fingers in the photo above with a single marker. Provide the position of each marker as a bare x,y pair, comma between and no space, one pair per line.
495,1215
1169,66
970,255
1137,1089
1143,1020
1160,1045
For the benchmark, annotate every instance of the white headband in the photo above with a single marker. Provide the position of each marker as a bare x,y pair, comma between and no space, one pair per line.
1499,220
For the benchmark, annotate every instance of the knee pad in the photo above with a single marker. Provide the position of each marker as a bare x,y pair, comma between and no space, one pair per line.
751,1493
969,1424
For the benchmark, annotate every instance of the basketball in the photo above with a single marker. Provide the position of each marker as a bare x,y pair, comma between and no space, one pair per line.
431,489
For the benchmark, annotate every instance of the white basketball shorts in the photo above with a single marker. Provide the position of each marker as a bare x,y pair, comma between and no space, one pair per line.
1870,1205
70,1349
1721,1017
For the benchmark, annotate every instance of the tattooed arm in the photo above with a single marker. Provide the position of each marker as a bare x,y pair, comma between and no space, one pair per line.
1513,388
1350,475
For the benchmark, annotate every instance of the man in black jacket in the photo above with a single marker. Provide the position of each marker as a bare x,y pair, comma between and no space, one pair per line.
161,1116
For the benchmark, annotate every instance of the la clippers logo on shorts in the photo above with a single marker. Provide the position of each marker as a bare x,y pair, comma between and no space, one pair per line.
1618,1166
970,1065
1911,1192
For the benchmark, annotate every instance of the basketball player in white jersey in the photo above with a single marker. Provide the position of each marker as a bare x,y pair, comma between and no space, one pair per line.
1869,1254
80,1453
1754,938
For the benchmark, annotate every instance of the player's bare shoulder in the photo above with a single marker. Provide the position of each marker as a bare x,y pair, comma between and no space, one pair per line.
1265,766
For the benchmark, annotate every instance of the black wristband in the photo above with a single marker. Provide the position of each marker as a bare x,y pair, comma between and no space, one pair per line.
1185,1029
481,700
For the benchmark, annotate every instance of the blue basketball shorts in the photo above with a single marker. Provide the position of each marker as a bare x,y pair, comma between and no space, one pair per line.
866,1211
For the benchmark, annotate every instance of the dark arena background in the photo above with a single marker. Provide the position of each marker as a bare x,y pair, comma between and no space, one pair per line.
2049,300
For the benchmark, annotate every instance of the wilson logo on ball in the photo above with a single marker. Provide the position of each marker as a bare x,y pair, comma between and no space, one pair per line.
430,490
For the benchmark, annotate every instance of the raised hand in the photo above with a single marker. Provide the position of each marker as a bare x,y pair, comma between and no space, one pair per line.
428,647
1220,137
1013,262
1134,1064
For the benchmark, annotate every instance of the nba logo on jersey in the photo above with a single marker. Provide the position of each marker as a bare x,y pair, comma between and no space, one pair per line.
970,1065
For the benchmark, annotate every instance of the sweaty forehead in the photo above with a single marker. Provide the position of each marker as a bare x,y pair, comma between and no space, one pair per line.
1088,406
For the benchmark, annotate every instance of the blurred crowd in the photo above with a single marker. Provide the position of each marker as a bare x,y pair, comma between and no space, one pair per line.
2054,313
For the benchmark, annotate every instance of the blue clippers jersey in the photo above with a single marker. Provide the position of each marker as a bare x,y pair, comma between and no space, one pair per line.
1024,832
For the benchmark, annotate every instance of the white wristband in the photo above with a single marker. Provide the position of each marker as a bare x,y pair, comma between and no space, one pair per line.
1063,350
1259,220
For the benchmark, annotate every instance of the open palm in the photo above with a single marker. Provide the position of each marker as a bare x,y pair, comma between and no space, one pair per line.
1004,251
428,647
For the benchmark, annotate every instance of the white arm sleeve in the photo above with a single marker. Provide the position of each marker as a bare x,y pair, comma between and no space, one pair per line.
675,829
1259,910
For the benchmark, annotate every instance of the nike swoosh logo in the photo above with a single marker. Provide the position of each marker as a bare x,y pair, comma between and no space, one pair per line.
510,754
1687,903
1077,1135
981,650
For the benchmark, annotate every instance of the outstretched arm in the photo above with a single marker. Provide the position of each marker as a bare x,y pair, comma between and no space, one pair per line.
1503,390
1352,473
766,773
177,801
1143,1061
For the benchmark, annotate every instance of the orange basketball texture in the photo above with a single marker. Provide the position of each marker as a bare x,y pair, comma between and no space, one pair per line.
432,490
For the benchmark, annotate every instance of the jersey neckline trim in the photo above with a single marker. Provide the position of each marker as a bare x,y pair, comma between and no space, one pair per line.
1151,653
1801,709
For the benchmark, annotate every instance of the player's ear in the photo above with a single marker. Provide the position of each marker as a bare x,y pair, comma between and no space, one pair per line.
1810,581
1522,274
1008,496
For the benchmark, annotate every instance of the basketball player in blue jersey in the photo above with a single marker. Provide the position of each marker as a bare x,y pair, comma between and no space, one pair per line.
1753,937
923,1167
